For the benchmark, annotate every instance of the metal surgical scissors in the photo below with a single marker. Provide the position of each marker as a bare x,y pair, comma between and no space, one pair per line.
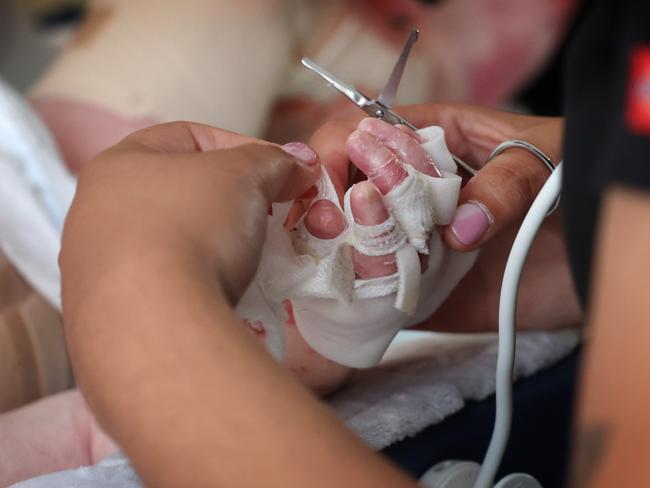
379,107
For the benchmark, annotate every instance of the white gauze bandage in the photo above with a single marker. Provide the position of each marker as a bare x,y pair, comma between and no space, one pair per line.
352,321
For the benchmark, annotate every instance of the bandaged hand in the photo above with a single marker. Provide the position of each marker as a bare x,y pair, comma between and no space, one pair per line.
359,267
491,205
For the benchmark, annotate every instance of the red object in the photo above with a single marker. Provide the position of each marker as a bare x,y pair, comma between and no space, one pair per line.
638,95
288,307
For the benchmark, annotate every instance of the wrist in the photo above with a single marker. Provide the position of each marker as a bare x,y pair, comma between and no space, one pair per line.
100,276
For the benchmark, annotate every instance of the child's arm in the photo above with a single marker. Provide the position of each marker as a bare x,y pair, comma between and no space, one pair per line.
53,434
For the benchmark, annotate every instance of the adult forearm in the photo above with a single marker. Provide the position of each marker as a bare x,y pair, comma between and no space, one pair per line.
191,398
611,433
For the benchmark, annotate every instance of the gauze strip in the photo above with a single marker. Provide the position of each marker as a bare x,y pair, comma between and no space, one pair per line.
352,321
422,201
408,288
374,240
436,146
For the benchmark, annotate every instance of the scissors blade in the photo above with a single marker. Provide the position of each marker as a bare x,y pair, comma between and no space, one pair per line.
388,92
374,108
358,98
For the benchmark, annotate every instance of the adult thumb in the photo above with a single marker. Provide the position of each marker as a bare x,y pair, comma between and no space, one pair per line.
280,173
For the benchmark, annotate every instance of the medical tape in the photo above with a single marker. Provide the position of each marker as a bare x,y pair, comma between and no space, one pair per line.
306,243
376,287
410,204
352,321
373,240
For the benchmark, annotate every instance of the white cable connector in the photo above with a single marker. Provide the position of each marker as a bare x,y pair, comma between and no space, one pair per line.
506,355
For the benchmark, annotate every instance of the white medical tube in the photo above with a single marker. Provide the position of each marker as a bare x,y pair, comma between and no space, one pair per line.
507,312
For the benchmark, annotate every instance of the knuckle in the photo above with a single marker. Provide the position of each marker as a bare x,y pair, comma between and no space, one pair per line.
516,183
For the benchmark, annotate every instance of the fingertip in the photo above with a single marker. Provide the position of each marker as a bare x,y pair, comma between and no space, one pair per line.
375,160
309,164
469,227
450,239
304,154
282,174
403,144
354,142
367,205
372,124
324,220
367,210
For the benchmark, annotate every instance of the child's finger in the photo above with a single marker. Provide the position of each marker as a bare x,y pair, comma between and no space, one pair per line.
368,209
378,162
405,147
324,220
407,130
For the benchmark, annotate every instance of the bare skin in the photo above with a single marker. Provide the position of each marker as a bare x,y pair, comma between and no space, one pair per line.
163,370
381,151
506,186
611,430
323,220
611,441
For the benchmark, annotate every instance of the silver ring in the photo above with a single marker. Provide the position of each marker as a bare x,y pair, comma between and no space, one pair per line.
532,149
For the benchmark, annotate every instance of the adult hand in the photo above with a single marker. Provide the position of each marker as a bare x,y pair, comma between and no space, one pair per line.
184,189
163,236
491,206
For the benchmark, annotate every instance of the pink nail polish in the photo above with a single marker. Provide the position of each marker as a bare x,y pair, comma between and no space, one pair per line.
471,222
302,152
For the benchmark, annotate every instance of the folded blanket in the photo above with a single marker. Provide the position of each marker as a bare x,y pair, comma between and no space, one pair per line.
424,378
112,472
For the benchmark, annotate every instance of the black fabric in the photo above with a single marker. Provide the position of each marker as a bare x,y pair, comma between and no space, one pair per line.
543,95
600,149
539,439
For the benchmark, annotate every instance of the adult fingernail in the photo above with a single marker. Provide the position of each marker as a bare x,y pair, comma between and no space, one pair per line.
302,152
471,222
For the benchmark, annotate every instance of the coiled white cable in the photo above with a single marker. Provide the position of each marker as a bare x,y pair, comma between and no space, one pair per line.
507,334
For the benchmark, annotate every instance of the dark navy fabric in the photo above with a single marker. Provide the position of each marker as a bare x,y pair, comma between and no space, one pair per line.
539,442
